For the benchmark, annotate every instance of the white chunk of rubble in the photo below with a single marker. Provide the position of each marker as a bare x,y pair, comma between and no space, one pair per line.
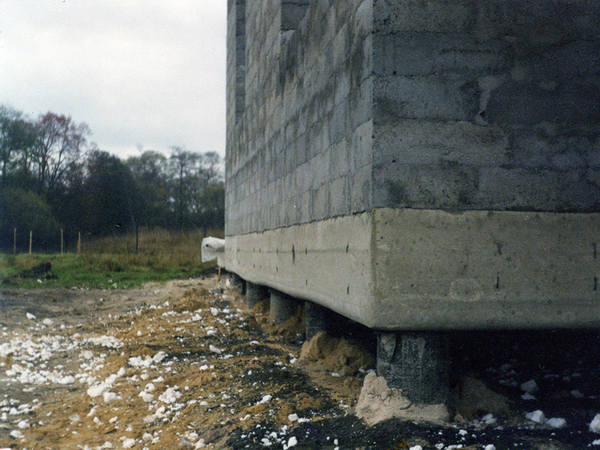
595,424
529,386
536,416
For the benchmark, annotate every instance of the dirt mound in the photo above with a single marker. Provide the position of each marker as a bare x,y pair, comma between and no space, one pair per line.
336,355
473,399
378,402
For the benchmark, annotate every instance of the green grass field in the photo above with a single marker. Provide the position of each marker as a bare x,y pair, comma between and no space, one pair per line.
113,263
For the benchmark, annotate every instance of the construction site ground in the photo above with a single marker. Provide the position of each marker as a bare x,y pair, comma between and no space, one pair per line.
187,365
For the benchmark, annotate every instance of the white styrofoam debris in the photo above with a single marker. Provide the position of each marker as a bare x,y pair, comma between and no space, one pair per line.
17,434
595,424
577,394
536,416
266,399
105,341
556,422
146,396
488,419
30,316
159,357
214,349
140,363
416,447
109,397
169,396
128,443
96,391
529,386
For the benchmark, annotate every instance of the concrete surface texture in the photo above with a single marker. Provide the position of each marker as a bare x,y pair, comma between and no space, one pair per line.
418,165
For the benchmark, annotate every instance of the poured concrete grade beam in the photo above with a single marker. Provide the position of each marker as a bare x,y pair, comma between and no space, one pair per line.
255,294
485,270
402,269
327,262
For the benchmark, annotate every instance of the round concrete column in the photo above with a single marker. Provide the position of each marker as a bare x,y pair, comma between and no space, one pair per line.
282,307
255,294
418,363
237,281
316,319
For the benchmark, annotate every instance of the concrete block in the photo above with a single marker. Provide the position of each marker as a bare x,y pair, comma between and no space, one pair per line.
360,187
339,196
437,16
420,54
536,102
427,97
437,143
448,186
540,189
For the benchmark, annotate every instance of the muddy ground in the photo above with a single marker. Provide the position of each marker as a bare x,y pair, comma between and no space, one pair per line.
186,365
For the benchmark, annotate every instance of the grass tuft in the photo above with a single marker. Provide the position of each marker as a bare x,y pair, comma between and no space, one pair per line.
111,263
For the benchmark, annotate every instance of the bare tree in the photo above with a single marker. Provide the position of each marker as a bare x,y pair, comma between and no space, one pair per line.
60,143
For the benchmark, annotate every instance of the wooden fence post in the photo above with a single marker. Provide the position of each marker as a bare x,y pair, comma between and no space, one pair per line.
62,240
30,241
15,241
79,243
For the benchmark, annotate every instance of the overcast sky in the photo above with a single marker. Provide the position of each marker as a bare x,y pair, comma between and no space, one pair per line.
138,72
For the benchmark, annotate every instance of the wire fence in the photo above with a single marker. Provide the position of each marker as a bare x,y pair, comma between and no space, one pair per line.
28,242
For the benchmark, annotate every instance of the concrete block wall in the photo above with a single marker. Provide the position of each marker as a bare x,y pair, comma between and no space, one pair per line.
487,105
418,165
301,151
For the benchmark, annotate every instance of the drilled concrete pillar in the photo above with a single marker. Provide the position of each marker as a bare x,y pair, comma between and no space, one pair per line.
238,282
418,363
316,319
282,307
255,293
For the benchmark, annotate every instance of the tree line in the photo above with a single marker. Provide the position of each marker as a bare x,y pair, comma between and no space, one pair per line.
52,177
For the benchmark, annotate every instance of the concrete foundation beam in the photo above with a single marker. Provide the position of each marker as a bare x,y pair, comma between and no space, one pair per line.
405,269
282,307
255,293
316,319
418,363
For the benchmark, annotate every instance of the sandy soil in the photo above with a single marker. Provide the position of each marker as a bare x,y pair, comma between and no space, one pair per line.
187,366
